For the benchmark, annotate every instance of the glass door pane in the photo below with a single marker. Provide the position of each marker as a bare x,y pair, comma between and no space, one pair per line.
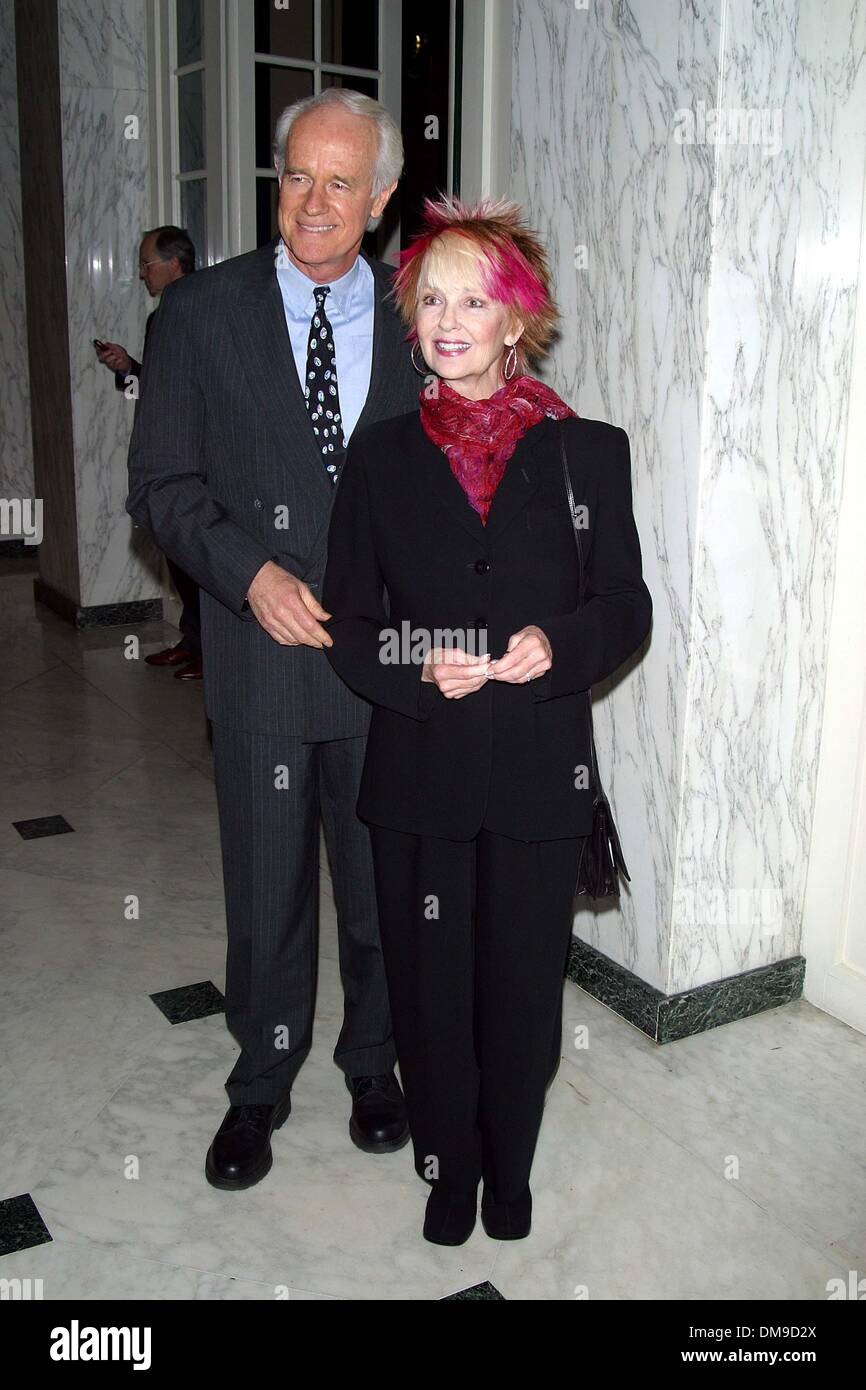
368,85
276,88
424,106
267,200
350,33
189,36
193,216
287,33
190,116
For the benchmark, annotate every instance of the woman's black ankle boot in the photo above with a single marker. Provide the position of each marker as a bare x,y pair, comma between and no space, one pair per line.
450,1216
507,1220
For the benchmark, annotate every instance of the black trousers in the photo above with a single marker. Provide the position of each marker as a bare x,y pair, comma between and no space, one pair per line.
271,793
475,937
190,619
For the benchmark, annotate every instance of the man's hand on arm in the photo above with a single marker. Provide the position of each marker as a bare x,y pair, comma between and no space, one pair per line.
287,609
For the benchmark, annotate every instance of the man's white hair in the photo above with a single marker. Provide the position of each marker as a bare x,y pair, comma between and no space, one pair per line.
389,160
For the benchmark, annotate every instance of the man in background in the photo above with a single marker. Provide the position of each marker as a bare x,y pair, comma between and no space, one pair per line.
166,254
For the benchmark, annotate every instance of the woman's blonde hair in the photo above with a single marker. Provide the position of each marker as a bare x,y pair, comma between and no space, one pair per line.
510,257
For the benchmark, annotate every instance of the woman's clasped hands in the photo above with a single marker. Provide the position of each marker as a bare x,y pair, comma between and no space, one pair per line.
458,673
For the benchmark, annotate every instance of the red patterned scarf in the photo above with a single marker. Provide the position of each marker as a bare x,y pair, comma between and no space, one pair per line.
479,437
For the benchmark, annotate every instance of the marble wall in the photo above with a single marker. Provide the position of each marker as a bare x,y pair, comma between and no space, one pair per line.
16,456
103,81
707,273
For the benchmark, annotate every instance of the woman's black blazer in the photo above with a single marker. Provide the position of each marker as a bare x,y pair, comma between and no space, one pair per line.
405,547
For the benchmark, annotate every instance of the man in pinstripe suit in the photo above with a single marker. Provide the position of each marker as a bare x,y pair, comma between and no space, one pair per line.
257,372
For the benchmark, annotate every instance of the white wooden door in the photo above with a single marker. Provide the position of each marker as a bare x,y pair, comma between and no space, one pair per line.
834,918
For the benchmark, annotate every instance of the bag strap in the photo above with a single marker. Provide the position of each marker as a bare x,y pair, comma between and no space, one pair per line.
576,528
572,507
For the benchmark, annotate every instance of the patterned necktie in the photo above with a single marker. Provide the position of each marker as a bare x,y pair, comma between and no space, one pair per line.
320,389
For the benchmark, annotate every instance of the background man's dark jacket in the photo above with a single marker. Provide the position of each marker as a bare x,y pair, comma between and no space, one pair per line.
121,379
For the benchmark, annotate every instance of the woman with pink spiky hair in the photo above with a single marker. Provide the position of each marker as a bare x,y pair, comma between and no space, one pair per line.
453,592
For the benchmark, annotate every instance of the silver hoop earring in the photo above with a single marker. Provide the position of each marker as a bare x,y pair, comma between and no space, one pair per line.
505,372
422,371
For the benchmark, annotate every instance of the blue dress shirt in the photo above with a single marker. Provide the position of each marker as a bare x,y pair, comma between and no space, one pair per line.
350,309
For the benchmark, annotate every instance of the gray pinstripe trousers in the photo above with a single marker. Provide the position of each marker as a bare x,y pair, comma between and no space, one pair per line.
271,792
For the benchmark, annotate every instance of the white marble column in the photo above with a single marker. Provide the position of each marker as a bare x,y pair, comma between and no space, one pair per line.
708,293
103,93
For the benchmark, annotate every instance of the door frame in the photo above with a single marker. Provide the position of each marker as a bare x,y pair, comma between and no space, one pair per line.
240,106
485,111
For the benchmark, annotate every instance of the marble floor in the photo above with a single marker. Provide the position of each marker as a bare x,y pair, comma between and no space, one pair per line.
728,1165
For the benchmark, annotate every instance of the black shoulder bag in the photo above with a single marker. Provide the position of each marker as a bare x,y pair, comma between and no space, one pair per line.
601,860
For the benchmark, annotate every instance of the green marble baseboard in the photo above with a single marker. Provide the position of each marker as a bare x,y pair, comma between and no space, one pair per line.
147,610
665,1018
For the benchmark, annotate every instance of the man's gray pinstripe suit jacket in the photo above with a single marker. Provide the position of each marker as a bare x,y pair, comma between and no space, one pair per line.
225,474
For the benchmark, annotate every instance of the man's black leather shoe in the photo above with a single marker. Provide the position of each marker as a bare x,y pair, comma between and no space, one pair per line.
240,1155
378,1124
